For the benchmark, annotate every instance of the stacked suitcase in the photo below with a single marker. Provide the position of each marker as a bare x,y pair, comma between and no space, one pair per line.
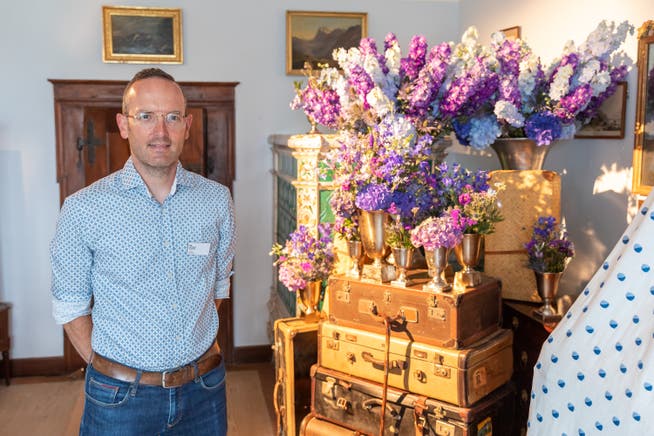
436,363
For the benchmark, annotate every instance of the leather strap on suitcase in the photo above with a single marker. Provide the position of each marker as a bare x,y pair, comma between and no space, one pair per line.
388,322
419,409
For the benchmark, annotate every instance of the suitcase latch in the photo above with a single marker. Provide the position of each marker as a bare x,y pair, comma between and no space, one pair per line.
332,345
444,428
342,403
343,296
441,371
367,307
436,313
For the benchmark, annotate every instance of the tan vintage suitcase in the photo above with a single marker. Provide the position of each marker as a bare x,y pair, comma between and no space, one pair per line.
295,350
528,195
356,403
452,319
313,426
460,377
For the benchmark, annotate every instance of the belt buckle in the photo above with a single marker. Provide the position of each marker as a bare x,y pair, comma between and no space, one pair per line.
163,378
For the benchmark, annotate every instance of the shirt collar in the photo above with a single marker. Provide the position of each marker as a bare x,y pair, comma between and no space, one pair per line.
130,178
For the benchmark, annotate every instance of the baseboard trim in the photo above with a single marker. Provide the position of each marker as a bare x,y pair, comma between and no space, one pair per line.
53,366
38,366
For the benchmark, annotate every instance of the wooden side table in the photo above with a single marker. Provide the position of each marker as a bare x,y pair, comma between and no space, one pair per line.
529,333
5,341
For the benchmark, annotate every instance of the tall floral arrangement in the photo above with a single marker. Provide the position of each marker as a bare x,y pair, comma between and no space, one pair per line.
545,103
549,248
304,258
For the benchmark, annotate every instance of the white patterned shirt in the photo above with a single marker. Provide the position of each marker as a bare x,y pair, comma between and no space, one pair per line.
148,273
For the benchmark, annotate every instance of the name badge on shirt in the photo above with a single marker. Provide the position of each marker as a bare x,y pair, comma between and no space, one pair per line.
198,248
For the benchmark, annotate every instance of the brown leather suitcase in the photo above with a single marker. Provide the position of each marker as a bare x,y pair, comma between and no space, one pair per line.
460,377
314,426
295,350
453,319
356,403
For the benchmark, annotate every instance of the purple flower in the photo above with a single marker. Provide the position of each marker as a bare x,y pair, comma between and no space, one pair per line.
549,249
361,82
373,196
410,66
304,258
543,128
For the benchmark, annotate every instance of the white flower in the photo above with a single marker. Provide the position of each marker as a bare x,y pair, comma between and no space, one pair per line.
505,110
527,81
379,102
372,67
589,70
393,56
470,38
600,82
561,83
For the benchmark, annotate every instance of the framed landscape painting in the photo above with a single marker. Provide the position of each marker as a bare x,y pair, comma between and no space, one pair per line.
142,35
312,36
609,121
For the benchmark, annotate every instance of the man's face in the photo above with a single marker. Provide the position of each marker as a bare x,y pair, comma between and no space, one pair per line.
154,145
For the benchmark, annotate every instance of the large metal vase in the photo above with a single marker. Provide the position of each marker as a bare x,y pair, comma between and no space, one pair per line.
308,299
547,285
520,153
437,262
372,226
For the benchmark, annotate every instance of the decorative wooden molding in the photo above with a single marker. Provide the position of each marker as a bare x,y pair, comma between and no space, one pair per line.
647,29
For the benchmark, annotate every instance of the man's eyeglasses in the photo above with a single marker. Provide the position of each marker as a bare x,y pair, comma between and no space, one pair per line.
149,119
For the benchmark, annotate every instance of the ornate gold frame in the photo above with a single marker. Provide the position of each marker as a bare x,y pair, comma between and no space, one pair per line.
291,16
511,33
112,54
641,169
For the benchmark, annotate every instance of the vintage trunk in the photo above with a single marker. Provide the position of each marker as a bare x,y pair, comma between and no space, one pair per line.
528,195
461,377
452,319
356,403
314,426
295,350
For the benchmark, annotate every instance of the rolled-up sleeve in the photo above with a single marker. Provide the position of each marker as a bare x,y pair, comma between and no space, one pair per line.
71,260
226,248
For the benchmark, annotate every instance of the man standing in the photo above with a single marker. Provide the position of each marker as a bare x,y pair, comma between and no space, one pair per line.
141,260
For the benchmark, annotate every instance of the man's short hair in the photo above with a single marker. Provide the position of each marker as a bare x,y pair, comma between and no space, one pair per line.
147,73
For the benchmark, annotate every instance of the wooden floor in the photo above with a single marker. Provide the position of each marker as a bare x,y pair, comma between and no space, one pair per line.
53,405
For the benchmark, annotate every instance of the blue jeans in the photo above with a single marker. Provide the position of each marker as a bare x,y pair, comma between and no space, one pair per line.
115,407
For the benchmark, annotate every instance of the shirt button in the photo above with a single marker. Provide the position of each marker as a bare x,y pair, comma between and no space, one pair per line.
169,275
166,244
178,337
174,306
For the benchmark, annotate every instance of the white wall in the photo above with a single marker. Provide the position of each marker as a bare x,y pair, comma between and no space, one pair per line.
244,41
223,41
595,173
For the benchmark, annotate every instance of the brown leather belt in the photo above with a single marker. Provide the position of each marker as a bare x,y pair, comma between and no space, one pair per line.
168,379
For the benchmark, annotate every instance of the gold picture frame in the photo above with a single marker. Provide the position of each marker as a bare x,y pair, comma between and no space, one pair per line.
610,118
643,160
142,35
512,33
307,40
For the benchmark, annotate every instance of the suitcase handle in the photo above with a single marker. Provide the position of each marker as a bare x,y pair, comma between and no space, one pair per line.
368,357
375,402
